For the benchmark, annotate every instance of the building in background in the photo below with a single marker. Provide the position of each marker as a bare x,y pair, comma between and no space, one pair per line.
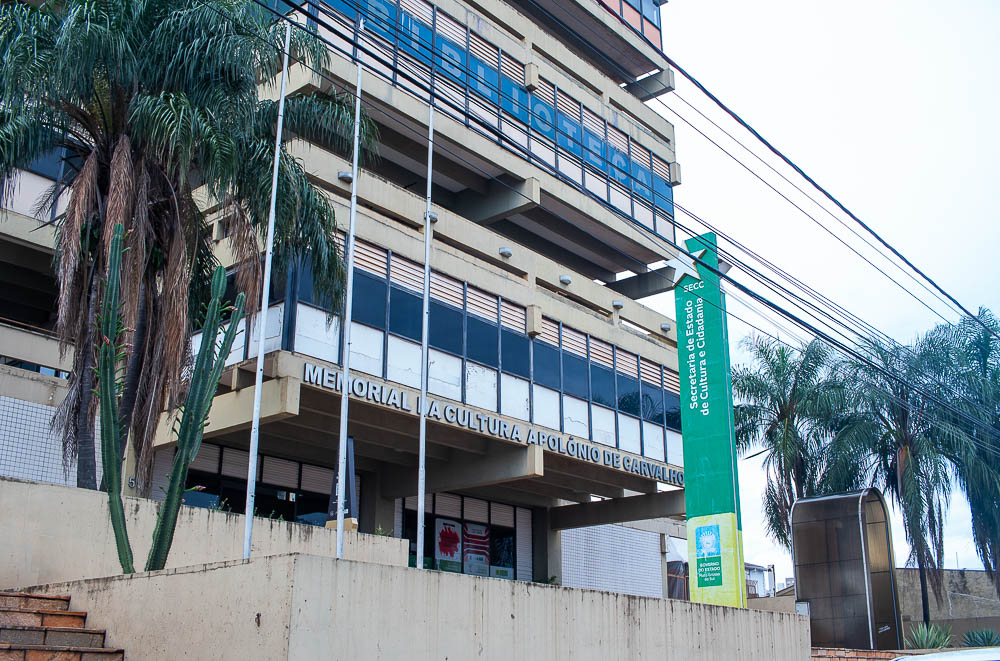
554,416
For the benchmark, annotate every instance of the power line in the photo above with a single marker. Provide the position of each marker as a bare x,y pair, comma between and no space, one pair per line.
771,147
794,318
453,65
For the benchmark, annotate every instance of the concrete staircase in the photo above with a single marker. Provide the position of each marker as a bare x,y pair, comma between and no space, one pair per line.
43,628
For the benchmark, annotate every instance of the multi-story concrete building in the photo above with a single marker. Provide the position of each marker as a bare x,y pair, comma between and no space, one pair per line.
554,395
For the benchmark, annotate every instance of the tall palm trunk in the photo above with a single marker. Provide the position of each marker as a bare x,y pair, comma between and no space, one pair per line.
924,600
86,461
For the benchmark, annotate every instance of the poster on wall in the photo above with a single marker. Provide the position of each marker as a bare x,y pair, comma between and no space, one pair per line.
447,545
476,549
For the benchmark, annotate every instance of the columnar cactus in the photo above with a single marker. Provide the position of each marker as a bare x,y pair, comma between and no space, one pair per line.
111,354
204,380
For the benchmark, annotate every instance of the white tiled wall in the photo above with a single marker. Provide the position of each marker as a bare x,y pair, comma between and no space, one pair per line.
612,558
29,449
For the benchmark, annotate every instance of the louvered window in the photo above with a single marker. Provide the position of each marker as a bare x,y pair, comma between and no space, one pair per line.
671,381
512,68
370,258
445,288
574,341
501,515
207,459
448,504
235,463
626,362
512,316
482,304
280,472
650,372
550,331
419,9
407,274
475,509
317,479
601,352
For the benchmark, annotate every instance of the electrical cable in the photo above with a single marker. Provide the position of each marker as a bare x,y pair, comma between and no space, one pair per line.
794,318
422,42
771,147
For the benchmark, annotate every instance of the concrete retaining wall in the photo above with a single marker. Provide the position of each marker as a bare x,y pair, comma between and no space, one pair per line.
54,533
306,607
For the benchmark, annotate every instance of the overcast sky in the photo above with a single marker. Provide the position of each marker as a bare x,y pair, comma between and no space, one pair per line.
893,107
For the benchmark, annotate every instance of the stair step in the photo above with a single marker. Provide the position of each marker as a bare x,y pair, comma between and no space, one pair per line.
71,636
24,600
58,653
38,617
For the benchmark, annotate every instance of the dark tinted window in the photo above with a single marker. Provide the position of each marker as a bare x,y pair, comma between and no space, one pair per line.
652,403
628,395
482,342
602,385
574,375
405,310
369,300
515,348
546,363
672,409
445,328
47,165
502,549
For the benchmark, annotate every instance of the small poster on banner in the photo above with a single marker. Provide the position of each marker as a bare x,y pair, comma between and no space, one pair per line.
447,545
476,549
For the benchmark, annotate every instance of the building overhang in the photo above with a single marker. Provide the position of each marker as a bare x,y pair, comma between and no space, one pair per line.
468,449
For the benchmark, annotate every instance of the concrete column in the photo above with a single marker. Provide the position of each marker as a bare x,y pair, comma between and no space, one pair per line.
376,510
546,547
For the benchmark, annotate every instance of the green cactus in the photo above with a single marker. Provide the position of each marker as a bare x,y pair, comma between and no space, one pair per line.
204,380
111,354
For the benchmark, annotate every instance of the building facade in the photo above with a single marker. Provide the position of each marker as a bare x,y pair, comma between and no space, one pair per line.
554,449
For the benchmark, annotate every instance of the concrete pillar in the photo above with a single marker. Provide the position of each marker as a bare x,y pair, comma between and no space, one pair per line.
377,511
546,548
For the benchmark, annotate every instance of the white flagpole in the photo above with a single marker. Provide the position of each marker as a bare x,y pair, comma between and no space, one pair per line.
345,384
265,301
422,454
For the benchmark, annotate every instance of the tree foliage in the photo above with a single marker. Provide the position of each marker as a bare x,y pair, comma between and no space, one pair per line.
791,405
913,420
156,109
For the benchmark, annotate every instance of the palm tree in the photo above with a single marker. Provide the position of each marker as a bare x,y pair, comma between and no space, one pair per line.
907,442
975,375
791,407
149,101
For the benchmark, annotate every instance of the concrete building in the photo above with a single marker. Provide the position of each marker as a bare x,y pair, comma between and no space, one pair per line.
554,446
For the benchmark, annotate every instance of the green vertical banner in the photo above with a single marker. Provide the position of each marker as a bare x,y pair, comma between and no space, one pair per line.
711,487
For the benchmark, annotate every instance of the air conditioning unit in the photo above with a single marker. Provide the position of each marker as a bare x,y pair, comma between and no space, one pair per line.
675,173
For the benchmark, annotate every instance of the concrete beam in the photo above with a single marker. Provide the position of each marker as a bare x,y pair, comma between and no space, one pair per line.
31,386
618,510
233,411
500,202
650,87
646,284
498,466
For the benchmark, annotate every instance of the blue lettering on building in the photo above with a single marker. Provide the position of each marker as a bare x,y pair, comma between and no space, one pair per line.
418,40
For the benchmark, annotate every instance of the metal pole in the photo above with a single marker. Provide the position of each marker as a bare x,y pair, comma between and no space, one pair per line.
265,301
422,453
345,384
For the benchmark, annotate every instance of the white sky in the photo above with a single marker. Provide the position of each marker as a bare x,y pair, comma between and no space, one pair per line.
893,107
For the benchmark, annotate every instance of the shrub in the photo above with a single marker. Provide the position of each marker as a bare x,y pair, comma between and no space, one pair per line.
924,637
982,638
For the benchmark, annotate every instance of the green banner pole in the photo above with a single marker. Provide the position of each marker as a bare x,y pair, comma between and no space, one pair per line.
711,486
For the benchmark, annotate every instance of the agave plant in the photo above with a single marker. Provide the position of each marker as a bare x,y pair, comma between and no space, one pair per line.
928,637
982,638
